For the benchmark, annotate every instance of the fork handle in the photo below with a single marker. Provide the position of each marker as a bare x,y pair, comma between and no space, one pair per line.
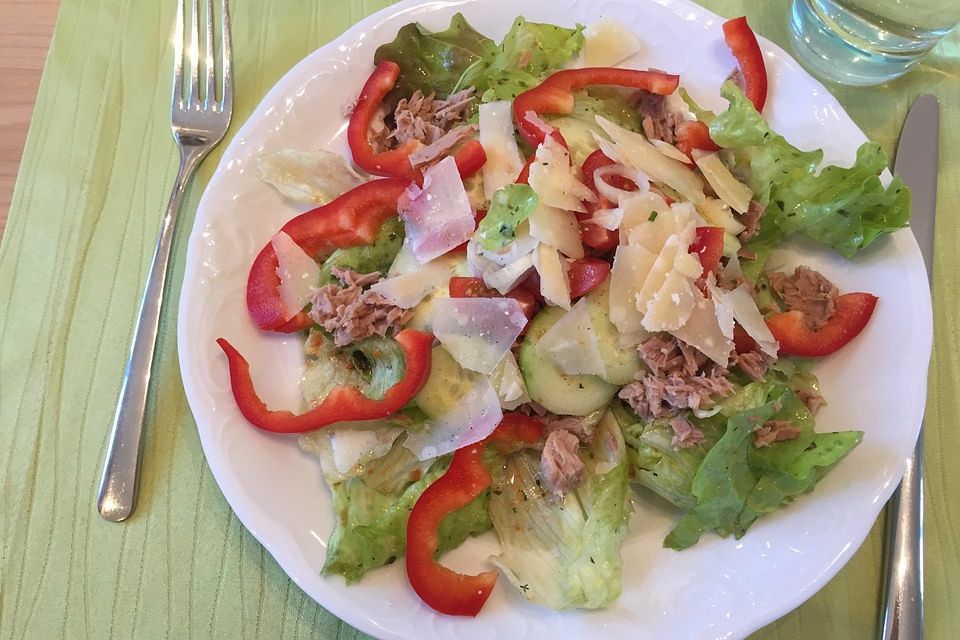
118,486
902,607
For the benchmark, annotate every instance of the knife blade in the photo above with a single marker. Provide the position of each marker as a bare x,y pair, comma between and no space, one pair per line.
916,163
902,607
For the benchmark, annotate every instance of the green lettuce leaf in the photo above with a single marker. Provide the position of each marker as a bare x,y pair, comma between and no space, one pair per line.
366,258
843,208
529,52
564,553
373,364
738,482
370,529
433,62
723,482
509,206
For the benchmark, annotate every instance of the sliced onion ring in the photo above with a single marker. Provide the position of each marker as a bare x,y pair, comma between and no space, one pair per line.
612,193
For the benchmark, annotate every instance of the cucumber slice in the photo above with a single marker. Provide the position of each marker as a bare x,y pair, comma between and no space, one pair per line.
445,385
576,395
620,365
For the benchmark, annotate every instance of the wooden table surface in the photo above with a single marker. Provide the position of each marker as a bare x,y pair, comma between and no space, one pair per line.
25,30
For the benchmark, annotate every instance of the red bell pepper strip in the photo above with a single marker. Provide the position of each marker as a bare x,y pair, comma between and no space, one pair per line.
586,274
396,162
693,134
467,287
443,589
470,158
743,43
851,316
344,403
555,94
352,219
708,247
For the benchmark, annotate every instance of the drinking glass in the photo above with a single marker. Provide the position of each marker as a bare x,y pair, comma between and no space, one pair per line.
864,42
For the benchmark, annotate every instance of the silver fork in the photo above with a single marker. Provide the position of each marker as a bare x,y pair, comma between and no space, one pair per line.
198,126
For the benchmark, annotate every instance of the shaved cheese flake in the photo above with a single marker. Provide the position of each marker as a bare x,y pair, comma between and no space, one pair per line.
641,209
505,279
669,150
508,383
298,274
437,217
631,264
408,289
740,305
670,307
553,178
733,192
609,219
717,214
607,42
633,149
554,283
702,331
671,220
343,447
572,342
733,270
477,331
558,228
473,417
504,161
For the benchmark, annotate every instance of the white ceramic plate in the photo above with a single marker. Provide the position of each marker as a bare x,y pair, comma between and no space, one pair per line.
722,588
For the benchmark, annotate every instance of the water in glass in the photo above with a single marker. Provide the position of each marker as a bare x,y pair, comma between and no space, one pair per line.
865,42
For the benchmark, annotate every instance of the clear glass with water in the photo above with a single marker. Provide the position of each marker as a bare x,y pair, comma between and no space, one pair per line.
864,42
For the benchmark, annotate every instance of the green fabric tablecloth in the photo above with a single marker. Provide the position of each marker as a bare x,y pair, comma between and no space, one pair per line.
95,176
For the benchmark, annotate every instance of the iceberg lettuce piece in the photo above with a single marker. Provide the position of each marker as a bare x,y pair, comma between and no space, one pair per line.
370,527
565,553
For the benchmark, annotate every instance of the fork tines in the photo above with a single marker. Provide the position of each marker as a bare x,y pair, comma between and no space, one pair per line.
187,51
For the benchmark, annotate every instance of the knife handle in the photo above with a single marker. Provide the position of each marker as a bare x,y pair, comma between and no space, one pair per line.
902,610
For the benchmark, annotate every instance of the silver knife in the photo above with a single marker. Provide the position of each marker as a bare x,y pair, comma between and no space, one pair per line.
902,607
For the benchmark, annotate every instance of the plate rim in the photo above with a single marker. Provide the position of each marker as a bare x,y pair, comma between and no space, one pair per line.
244,513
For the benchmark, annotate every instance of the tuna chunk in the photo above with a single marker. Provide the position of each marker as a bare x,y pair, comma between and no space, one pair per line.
812,399
426,118
774,431
352,313
808,292
571,424
562,468
657,121
442,145
685,434
751,220
752,363
680,378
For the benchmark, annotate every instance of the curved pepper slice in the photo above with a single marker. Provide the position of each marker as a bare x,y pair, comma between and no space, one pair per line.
693,134
555,94
743,43
352,219
851,316
343,403
443,589
395,162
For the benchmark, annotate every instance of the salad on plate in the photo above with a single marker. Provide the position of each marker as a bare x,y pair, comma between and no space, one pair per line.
538,283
